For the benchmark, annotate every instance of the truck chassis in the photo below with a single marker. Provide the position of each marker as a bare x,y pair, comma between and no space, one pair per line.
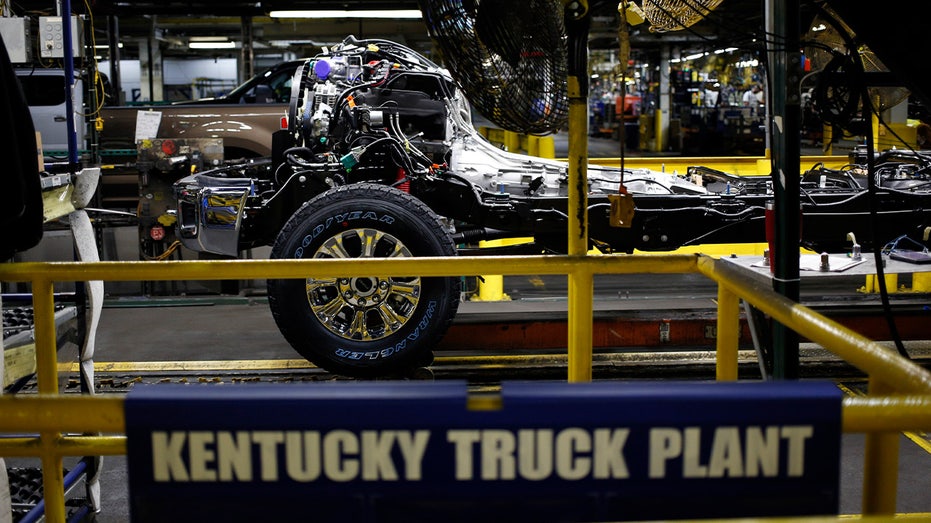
380,159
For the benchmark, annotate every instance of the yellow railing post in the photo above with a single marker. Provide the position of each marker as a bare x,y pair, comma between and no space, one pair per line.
581,295
43,303
728,335
880,465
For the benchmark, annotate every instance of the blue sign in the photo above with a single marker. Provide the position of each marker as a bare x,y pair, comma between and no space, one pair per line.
413,451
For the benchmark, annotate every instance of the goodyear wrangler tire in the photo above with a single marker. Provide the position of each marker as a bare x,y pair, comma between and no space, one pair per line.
364,326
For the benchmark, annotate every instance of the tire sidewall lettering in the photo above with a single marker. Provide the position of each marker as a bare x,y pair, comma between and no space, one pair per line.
342,218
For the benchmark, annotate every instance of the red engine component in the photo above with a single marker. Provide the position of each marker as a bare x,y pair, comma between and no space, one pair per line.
157,233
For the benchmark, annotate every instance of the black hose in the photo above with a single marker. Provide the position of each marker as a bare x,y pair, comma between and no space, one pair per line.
866,114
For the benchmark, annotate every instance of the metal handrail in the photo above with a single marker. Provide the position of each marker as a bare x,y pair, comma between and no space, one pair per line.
53,417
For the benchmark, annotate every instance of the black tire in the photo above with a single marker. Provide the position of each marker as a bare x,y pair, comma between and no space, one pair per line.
367,326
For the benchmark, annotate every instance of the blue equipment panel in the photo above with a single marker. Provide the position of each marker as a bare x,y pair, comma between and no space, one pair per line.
412,451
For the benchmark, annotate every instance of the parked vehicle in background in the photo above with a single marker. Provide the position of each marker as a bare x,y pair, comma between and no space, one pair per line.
268,87
45,93
245,118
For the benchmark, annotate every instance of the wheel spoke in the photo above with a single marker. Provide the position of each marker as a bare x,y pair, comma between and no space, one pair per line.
330,309
334,248
370,239
314,283
399,251
358,329
409,290
390,317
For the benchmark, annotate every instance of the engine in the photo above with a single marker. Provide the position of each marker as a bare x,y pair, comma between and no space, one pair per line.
377,111
370,111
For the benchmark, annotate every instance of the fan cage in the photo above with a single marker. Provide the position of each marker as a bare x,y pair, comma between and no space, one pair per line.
674,15
508,57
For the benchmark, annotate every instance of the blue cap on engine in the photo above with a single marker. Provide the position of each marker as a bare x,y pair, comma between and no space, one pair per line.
322,69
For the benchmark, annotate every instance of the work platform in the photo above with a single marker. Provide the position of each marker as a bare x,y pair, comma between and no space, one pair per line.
211,341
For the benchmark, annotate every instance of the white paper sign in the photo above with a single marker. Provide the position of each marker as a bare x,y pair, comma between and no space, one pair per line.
147,123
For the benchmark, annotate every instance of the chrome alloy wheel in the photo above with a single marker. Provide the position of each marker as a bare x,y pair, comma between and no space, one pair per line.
363,308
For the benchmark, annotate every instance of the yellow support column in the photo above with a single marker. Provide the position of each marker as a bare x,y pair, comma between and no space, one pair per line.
511,141
547,147
921,282
533,145
658,131
581,287
491,286
872,283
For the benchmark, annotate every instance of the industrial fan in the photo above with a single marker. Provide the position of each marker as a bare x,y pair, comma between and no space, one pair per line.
512,59
843,66
510,62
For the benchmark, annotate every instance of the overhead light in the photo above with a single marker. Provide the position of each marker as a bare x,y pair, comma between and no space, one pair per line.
392,13
302,42
208,39
211,45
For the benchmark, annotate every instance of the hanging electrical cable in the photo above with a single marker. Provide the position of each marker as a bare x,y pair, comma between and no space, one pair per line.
858,77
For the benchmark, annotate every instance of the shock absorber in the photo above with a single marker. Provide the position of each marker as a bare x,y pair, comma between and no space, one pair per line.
401,182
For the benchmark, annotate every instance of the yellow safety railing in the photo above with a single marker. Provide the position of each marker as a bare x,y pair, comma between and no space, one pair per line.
900,391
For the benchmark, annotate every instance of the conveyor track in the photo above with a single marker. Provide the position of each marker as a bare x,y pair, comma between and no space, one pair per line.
480,370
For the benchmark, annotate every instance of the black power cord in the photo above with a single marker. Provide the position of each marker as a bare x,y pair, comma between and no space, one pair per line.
866,113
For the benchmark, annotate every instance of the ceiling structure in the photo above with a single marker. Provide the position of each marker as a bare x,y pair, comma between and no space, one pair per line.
173,23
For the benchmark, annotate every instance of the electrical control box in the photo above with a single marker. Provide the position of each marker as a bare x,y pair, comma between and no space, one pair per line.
17,38
51,37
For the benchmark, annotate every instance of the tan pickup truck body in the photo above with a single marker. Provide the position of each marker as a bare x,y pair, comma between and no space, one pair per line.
246,129
245,118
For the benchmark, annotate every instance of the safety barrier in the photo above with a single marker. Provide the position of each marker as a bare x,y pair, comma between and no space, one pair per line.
900,391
